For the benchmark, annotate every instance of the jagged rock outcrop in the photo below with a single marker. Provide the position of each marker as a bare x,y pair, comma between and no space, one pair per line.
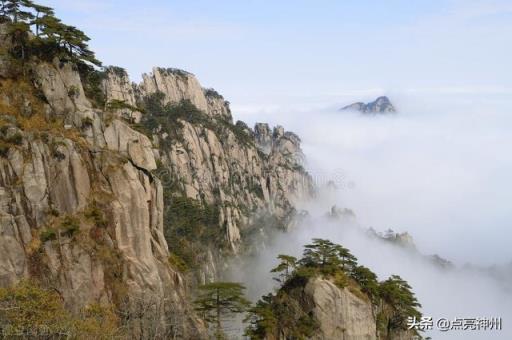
80,208
178,85
118,89
216,104
82,204
379,105
263,137
211,160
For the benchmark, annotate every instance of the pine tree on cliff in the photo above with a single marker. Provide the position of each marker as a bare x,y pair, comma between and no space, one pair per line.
348,261
53,37
367,280
285,268
398,294
16,10
70,38
43,13
218,300
321,254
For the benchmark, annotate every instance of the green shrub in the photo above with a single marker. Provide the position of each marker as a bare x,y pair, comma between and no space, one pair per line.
167,118
28,310
175,71
118,71
69,226
73,91
96,214
91,81
48,235
212,93
255,188
189,227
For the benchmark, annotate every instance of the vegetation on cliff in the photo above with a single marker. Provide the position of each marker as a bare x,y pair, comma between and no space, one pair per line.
36,32
30,311
219,300
286,312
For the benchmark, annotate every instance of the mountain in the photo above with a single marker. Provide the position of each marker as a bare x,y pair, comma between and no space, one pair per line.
379,105
118,199
130,194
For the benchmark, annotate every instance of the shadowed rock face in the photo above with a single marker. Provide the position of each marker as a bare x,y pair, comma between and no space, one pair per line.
379,105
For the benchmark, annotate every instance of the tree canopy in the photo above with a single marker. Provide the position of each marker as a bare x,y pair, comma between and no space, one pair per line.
220,299
398,294
50,37
285,267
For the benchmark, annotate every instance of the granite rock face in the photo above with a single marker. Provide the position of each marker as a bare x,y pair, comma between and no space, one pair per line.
379,105
5,43
81,198
79,206
230,166
178,85
340,313
119,90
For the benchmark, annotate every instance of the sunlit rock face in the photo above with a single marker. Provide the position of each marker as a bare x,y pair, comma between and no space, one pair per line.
177,85
79,206
341,314
81,198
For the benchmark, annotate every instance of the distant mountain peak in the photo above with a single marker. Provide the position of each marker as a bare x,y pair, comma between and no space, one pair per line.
380,105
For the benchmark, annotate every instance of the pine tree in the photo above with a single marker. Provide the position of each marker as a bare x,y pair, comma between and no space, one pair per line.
261,318
321,254
17,10
347,260
218,300
285,267
53,38
43,13
367,280
398,294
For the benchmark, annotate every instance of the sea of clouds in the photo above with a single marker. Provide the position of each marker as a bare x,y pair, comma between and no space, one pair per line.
438,169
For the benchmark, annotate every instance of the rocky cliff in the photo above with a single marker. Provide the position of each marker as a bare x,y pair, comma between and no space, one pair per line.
322,308
80,209
347,313
94,181
205,158
341,313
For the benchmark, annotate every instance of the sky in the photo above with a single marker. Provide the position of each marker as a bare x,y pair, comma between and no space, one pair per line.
440,170
268,55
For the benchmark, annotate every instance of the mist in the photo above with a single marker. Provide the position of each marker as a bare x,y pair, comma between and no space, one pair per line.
440,170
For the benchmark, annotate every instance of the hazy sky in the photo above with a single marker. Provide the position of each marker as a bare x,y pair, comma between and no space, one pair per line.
269,54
